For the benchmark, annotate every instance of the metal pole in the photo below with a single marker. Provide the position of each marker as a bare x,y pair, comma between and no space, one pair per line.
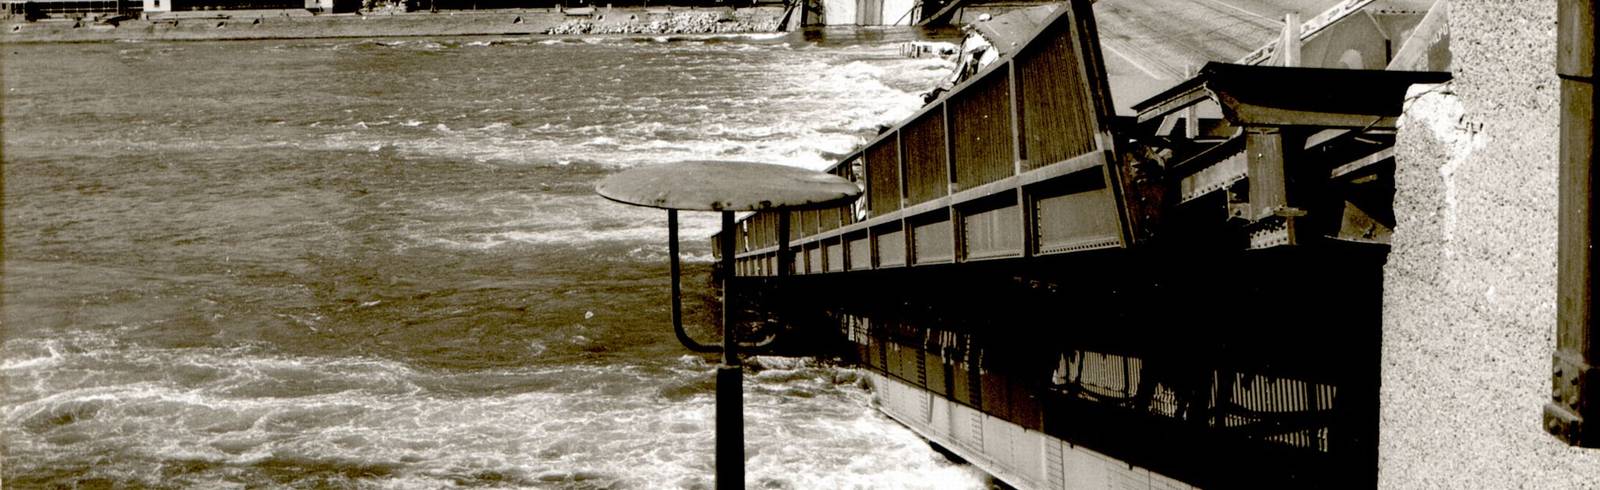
1289,43
1573,413
730,379
672,251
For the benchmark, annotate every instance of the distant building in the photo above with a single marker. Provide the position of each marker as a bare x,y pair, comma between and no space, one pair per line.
322,6
42,9
333,6
189,5
45,9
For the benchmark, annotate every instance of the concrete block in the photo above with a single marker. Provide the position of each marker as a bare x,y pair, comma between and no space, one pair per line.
1469,311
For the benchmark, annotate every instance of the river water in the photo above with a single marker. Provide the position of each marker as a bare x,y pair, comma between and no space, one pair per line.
380,262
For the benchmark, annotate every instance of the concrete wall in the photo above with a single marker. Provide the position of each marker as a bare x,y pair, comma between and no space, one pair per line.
866,12
1469,292
838,12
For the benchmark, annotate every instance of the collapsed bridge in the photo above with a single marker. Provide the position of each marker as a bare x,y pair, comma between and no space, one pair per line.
1071,291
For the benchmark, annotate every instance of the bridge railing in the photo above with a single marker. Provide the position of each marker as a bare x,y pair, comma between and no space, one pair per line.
1011,163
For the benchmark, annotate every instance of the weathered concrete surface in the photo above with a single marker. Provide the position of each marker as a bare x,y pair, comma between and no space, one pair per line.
1469,292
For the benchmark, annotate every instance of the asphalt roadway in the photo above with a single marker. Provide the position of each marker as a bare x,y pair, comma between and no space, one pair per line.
1150,45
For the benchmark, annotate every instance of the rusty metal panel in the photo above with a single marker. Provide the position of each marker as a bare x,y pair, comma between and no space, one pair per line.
761,226
927,165
795,230
875,354
771,226
935,372
813,259
932,239
991,230
891,244
1029,413
1075,213
753,225
891,359
963,386
1213,178
996,399
834,255
797,259
909,357
883,174
829,218
860,246
808,222
980,116
1264,151
1026,410
1056,114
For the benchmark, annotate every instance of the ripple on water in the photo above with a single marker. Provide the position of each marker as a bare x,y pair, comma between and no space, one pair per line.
374,266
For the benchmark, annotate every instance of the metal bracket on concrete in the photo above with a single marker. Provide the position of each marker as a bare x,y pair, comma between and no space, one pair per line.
1575,391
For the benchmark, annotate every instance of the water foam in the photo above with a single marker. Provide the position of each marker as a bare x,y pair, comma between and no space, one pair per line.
374,421
85,404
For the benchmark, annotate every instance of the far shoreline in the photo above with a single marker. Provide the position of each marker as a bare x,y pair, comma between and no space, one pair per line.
281,25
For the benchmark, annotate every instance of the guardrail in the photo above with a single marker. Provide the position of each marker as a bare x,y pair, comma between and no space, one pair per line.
1011,163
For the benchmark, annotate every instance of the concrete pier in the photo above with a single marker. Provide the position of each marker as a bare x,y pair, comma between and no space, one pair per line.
1469,310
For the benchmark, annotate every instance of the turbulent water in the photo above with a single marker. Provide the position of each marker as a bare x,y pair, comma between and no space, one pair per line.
380,263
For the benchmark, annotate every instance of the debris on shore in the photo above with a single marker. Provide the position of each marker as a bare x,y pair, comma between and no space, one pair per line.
697,22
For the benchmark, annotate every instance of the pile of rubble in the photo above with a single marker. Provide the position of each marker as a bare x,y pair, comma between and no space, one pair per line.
700,22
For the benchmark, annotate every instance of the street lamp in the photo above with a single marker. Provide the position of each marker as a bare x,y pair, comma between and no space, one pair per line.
727,187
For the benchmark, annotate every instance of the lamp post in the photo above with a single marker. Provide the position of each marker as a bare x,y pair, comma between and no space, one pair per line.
726,187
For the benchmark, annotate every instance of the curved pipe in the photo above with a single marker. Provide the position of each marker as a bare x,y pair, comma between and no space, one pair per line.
677,294
677,290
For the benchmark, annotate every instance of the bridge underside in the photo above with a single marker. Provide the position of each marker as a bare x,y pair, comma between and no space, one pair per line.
1220,369
1190,284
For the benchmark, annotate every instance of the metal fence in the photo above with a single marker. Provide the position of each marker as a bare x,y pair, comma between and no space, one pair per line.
1011,163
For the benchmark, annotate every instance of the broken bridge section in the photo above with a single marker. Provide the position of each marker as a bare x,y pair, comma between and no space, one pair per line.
1190,293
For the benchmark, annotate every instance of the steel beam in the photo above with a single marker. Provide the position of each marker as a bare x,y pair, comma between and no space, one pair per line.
1575,394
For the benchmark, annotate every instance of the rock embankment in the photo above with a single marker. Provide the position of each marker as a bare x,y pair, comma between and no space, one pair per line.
693,22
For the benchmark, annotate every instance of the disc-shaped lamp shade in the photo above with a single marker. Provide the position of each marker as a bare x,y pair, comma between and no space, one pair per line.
726,186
